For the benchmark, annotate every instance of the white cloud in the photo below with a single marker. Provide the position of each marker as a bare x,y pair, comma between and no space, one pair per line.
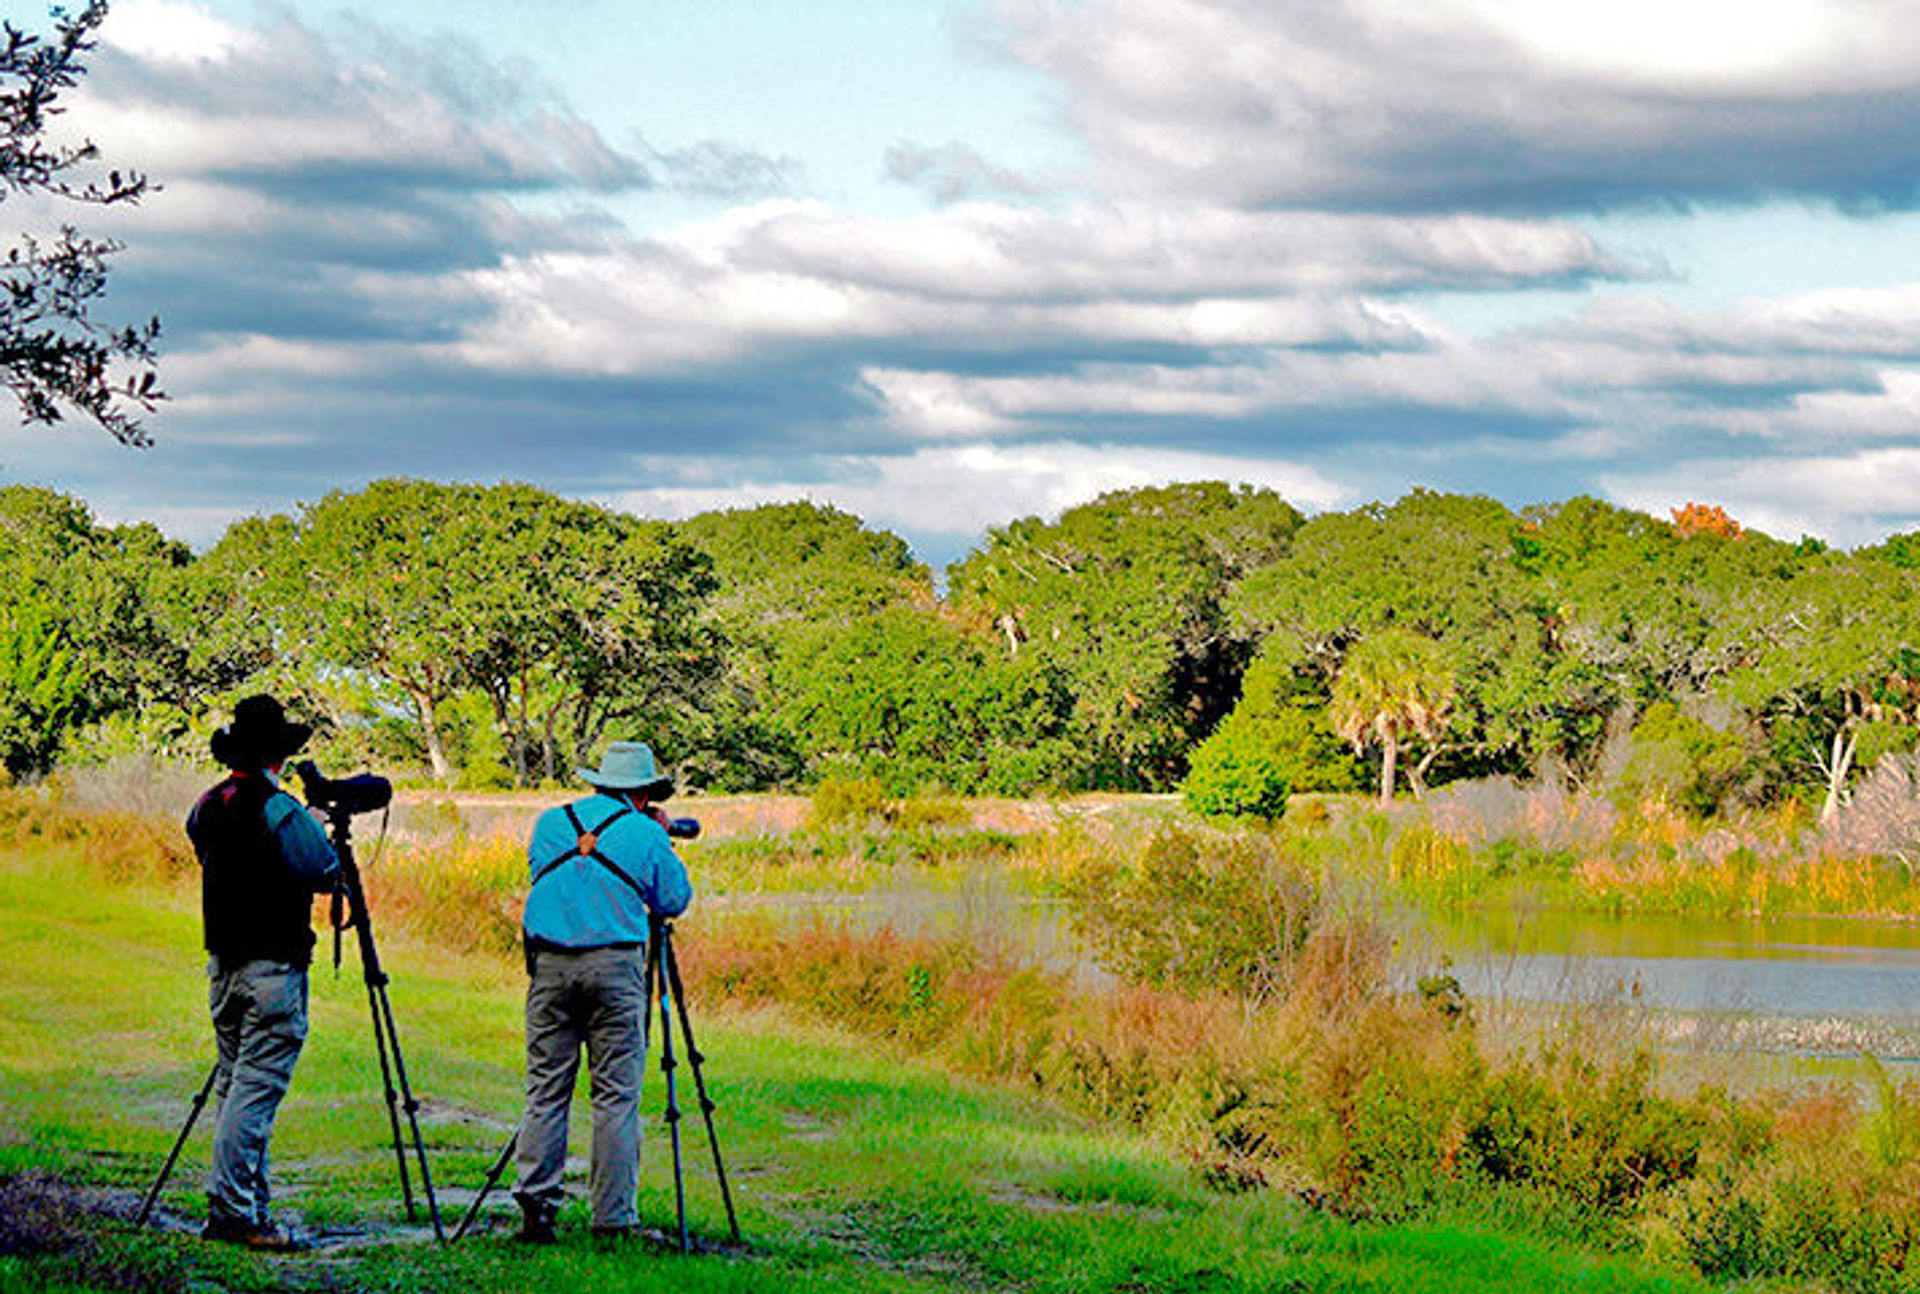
182,94
1889,411
992,279
934,404
957,492
1486,103
165,31
1153,249
1849,499
1836,45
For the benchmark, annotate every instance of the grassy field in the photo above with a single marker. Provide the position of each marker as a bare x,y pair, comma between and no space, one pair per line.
855,1167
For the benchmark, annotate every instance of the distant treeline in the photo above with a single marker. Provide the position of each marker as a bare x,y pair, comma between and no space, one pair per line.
1195,633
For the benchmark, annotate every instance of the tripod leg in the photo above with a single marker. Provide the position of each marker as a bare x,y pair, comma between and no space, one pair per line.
653,983
193,1116
412,1107
380,1040
384,1033
493,1180
667,1065
694,1058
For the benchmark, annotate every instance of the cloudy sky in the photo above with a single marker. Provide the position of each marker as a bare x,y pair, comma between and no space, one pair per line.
949,262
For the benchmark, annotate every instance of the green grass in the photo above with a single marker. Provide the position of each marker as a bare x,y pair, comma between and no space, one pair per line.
855,1168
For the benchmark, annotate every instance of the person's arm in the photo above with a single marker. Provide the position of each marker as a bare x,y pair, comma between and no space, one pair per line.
303,844
672,890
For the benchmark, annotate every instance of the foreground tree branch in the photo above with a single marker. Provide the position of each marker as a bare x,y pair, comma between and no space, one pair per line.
54,357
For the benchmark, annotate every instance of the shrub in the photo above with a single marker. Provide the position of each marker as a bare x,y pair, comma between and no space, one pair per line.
1883,817
1677,760
1238,771
1377,1079
1277,741
159,731
849,801
1829,1194
485,772
1201,912
925,813
1400,1136
882,984
1598,1135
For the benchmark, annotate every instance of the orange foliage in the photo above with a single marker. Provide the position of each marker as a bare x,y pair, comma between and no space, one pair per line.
1706,519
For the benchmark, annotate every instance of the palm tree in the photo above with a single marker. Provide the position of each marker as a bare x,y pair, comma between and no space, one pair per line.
1393,685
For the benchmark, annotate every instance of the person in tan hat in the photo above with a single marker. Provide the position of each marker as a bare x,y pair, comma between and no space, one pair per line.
600,867
262,859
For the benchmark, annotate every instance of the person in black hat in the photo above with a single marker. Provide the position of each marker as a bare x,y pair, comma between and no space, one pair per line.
262,859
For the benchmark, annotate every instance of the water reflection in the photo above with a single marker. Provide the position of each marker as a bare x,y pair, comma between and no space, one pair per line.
1810,986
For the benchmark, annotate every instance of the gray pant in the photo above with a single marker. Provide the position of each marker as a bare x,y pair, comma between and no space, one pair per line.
259,1022
597,998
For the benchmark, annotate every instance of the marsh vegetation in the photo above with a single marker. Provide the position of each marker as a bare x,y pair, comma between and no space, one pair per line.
1256,1005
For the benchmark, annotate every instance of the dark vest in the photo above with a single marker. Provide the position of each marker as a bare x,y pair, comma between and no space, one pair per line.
254,905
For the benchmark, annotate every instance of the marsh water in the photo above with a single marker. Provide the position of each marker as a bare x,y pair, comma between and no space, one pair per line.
1791,986
1801,985
1795,966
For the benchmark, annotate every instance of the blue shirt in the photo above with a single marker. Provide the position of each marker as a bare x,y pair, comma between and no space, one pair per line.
578,901
304,847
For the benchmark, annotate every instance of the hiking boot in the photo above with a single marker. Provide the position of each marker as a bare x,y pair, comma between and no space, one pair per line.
536,1226
262,1237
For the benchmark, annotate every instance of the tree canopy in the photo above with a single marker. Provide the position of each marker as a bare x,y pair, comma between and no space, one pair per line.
1194,635
1127,597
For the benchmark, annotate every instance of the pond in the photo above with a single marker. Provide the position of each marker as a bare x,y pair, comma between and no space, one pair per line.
1791,987
1801,985
1797,987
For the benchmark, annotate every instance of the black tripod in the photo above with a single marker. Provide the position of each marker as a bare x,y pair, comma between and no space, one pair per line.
663,985
386,1038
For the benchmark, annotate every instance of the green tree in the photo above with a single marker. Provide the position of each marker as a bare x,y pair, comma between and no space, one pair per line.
1239,772
1394,686
1902,550
788,563
915,701
43,687
1681,761
792,576
1125,598
1825,658
229,610
1452,568
621,639
374,581
1278,741
1645,603
53,356
99,590
567,617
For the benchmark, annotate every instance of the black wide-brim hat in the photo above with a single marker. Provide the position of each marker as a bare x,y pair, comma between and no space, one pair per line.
260,734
